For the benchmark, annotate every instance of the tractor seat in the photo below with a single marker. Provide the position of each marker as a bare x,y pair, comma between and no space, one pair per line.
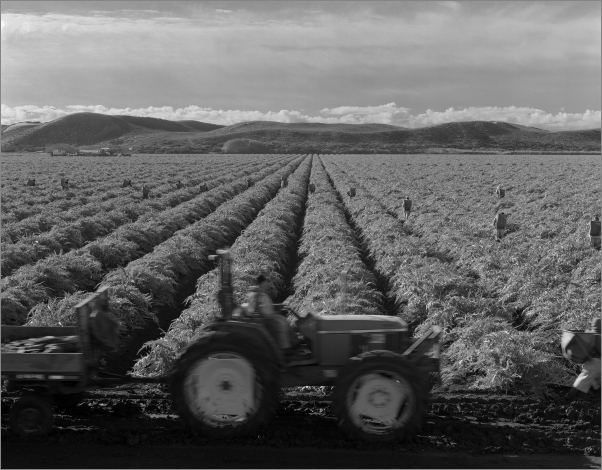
271,325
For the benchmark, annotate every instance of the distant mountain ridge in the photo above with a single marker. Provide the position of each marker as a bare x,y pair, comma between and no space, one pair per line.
153,135
92,128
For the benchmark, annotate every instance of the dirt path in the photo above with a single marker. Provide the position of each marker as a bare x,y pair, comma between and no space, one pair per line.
134,427
208,456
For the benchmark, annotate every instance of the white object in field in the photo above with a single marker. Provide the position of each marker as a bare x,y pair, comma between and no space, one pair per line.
380,401
220,388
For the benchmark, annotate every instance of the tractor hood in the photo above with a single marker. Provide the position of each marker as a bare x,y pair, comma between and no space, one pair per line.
359,324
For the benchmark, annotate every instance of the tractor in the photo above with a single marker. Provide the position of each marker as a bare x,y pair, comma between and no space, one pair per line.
227,384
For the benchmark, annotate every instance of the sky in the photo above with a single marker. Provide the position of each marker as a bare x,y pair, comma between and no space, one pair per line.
410,64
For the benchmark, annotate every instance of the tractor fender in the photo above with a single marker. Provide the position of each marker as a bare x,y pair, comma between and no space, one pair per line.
252,330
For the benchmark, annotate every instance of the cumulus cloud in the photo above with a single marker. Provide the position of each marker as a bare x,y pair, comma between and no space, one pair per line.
424,54
384,114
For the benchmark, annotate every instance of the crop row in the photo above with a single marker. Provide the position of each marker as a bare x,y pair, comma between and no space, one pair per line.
411,278
89,170
83,268
150,284
544,267
267,246
44,216
328,247
68,236
498,333
31,215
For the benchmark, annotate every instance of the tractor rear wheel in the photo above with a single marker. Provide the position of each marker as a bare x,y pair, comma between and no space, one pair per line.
31,416
380,397
226,385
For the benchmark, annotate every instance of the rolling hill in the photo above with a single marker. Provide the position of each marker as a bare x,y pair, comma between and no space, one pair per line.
18,127
200,126
90,129
151,135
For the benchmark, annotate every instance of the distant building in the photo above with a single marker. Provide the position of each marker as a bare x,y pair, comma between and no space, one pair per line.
58,153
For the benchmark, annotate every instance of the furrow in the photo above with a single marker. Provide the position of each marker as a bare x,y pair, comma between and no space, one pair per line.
21,202
265,247
82,269
151,284
395,257
65,237
104,201
328,247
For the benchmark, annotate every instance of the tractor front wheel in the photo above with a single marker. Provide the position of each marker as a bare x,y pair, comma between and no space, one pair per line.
226,385
380,397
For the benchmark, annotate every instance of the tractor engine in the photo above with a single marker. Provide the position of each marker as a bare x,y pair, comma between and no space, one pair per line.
336,338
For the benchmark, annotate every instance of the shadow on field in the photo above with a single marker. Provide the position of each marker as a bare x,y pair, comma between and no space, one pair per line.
187,456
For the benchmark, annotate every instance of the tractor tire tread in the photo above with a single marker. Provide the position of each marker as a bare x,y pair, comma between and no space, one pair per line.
373,360
265,366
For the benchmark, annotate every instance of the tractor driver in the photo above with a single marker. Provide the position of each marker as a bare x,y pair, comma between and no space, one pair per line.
261,303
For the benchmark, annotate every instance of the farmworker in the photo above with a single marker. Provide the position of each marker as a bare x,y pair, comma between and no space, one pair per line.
407,207
284,182
64,183
204,188
312,188
500,226
590,373
126,183
260,302
595,232
145,191
501,192
179,185
31,182
351,192
250,182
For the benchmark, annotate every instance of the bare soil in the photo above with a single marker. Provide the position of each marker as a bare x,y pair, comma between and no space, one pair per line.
134,427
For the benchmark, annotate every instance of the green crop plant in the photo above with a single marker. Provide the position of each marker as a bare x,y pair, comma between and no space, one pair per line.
157,275
265,247
65,236
28,285
328,247
542,277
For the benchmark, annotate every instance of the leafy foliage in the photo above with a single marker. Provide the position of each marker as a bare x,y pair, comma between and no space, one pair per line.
501,304
265,247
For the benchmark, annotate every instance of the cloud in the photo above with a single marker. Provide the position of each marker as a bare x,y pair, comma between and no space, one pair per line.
385,114
455,6
421,54
219,10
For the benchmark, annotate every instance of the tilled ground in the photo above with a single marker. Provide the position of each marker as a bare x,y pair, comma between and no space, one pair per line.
457,422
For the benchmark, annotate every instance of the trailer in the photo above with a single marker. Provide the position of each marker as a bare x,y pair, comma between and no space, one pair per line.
48,377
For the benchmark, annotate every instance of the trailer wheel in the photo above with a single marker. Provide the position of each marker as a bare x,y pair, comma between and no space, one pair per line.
226,385
31,416
379,397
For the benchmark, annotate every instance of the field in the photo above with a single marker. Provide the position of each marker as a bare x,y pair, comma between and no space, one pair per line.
501,304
